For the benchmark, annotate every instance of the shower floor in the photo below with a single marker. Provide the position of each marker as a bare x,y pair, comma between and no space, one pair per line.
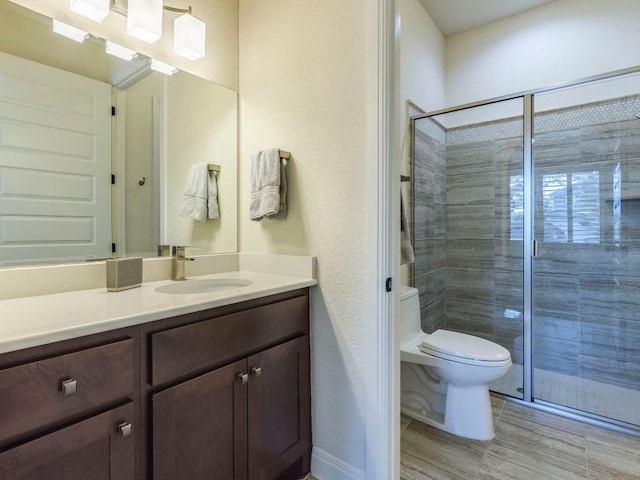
603,399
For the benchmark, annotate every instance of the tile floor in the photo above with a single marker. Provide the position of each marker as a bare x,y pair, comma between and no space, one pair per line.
587,395
529,445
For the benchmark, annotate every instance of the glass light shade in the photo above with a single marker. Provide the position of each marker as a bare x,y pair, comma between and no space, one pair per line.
95,10
189,36
162,67
120,51
70,32
144,19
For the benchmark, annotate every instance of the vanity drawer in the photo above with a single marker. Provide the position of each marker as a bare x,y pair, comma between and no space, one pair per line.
59,388
193,348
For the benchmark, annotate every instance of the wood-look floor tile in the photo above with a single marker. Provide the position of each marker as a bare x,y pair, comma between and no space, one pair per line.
506,464
428,451
539,443
497,404
612,455
517,412
404,422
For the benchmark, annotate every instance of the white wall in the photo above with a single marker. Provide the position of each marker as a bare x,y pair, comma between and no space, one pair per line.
559,42
303,89
421,51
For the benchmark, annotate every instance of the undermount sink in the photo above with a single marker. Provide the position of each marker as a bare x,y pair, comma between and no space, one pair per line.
209,285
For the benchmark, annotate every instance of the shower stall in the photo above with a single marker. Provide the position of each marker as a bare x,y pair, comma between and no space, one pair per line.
526,228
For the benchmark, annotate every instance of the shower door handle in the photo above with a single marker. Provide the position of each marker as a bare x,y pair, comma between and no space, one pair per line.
534,248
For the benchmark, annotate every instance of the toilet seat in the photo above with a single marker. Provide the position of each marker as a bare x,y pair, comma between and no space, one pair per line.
462,348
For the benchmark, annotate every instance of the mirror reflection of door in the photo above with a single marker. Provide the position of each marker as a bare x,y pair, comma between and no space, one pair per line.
55,164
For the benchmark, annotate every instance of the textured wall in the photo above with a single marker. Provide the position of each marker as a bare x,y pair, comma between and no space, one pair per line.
303,89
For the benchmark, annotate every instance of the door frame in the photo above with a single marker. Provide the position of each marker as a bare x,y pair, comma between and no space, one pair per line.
383,254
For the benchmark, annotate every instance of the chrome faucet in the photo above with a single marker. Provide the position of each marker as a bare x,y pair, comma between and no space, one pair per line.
179,259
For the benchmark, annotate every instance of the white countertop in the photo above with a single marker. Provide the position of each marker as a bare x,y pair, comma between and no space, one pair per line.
37,320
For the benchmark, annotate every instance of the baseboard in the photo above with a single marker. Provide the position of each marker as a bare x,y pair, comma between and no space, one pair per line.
327,467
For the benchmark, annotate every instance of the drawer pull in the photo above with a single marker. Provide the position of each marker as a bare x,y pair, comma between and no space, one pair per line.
125,429
69,387
256,371
243,378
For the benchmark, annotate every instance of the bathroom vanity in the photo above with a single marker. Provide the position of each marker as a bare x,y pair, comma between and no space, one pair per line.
186,387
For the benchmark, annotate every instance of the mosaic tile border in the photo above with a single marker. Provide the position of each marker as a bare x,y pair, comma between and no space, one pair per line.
606,111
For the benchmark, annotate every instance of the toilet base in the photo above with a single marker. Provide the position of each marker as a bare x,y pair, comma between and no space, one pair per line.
463,411
469,412
476,428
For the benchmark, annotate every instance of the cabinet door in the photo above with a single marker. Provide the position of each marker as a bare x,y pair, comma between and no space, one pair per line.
96,449
200,428
279,410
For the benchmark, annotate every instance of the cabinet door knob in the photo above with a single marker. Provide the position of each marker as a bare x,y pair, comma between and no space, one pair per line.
125,429
69,387
256,371
243,377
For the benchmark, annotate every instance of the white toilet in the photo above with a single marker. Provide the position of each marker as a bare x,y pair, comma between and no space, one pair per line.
445,376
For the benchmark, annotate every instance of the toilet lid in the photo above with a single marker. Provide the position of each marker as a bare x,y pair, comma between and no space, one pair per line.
460,345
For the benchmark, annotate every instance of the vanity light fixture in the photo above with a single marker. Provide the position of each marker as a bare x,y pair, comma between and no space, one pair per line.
144,22
70,32
119,51
162,67
188,36
96,10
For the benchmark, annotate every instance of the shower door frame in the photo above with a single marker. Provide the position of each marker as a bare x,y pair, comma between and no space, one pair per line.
528,251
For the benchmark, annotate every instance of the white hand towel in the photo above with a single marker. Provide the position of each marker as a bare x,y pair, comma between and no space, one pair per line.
265,184
212,199
194,202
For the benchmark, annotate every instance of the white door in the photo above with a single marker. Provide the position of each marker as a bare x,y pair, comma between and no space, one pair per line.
55,164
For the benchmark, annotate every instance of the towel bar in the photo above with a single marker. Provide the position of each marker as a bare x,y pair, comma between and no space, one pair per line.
284,154
214,168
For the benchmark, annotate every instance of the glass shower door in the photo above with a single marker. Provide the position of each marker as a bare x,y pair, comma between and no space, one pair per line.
469,226
586,224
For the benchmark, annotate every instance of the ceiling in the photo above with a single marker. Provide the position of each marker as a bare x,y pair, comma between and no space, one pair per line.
457,16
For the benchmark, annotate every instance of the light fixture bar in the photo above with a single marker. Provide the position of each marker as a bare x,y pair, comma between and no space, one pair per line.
96,10
178,10
162,67
70,32
120,51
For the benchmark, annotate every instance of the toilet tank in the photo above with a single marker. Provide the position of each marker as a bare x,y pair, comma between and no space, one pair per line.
409,313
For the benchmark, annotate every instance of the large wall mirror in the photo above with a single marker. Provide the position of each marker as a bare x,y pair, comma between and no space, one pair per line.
60,146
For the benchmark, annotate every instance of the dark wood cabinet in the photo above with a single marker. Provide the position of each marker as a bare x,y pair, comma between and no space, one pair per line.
200,427
100,448
229,395
247,420
279,410
219,394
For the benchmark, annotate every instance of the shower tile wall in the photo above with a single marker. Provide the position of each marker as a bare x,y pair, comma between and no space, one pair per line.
429,219
484,286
